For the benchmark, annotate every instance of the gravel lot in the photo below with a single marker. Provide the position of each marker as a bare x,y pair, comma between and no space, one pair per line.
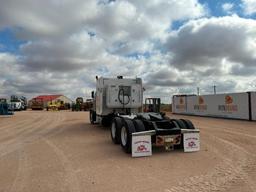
61,151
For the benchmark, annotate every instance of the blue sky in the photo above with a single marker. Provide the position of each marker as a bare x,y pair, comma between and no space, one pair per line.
174,46
8,41
215,7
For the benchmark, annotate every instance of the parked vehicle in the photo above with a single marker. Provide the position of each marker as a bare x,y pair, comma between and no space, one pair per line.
152,105
88,104
18,103
37,104
57,105
4,107
118,102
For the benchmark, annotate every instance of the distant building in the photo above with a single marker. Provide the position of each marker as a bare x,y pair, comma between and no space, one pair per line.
53,98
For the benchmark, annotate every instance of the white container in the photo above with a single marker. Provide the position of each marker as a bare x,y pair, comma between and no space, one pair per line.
179,104
253,105
233,105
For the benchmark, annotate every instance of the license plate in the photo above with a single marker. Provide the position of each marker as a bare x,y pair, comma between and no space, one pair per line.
169,139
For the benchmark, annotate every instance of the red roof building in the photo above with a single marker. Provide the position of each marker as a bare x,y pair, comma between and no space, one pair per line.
53,98
47,98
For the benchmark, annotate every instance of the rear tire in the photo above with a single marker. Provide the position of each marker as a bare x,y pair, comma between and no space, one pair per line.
92,116
115,130
180,123
188,124
126,135
106,121
139,126
174,123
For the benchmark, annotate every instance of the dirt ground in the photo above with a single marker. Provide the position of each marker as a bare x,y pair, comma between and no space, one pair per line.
61,151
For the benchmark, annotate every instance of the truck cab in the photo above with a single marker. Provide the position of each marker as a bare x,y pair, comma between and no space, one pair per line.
116,96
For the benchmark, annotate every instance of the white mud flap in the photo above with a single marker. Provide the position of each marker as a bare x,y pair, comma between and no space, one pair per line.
191,141
141,145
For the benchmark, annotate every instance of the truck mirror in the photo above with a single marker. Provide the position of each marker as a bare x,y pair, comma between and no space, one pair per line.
92,94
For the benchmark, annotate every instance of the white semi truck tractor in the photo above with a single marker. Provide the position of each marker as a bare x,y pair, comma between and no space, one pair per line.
119,101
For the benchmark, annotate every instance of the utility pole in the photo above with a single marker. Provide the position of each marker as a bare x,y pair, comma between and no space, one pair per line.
214,89
198,90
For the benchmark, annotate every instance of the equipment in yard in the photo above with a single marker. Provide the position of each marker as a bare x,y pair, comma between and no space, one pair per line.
57,105
152,105
37,104
64,106
24,102
118,102
88,104
78,106
53,106
4,107
18,103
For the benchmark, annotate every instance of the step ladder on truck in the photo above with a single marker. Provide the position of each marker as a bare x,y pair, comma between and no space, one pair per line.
118,102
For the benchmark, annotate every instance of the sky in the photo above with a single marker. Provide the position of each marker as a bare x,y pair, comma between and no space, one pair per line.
175,46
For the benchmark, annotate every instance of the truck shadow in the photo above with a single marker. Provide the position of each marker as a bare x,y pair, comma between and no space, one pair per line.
87,135
161,150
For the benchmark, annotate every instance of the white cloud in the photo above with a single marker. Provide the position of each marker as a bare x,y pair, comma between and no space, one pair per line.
202,44
249,7
74,53
69,43
47,18
14,80
219,51
227,7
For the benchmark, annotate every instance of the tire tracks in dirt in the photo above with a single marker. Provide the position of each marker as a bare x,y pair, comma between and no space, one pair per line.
35,131
70,174
225,174
18,141
234,132
21,178
249,157
20,128
10,125
18,118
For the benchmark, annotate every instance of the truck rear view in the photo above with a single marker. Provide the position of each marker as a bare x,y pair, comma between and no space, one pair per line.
118,102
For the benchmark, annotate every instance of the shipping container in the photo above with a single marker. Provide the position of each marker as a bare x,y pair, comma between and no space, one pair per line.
232,105
179,104
253,106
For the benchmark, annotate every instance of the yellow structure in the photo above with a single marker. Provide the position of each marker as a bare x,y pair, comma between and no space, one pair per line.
54,105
